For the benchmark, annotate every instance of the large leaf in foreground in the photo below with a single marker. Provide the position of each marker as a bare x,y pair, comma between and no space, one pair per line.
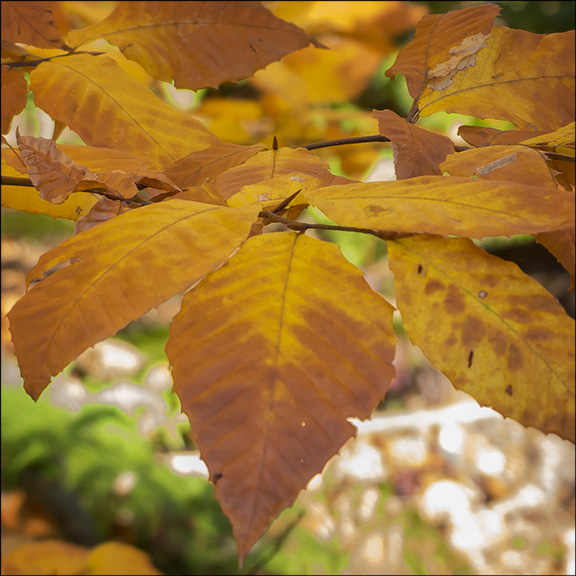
107,107
503,338
271,354
110,275
447,206
197,44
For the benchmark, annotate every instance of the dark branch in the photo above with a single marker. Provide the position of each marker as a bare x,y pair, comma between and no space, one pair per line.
32,63
17,181
303,226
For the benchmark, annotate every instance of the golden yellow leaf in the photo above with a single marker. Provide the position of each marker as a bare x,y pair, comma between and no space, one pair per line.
108,108
14,93
512,79
442,45
271,354
447,205
518,164
417,151
31,23
96,282
502,337
197,44
117,558
564,136
45,558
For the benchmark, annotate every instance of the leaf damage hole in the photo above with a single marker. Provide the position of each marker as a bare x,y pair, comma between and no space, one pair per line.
303,424
509,390
482,294
470,358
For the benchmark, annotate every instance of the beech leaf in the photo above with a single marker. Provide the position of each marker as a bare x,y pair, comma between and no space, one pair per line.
197,44
14,93
88,93
447,205
502,337
113,273
271,354
417,152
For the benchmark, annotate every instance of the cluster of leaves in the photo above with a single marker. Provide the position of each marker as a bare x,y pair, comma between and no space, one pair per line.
280,340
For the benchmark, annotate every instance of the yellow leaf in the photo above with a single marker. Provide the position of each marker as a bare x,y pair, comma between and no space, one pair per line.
442,44
417,151
271,354
107,107
117,558
493,331
31,23
483,136
447,205
197,44
564,136
45,558
14,93
512,79
95,283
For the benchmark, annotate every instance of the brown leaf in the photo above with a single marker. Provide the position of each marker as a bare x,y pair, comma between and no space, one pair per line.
271,354
14,93
512,79
113,273
518,164
479,136
197,44
560,243
417,152
89,93
442,45
31,23
52,172
503,337
197,167
103,210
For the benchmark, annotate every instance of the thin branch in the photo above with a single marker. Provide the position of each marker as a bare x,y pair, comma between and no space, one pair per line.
563,157
342,141
303,226
17,181
28,63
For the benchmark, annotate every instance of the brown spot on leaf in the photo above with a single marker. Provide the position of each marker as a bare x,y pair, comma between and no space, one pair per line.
498,342
508,390
473,332
470,358
420,268
433,286
216,477
454,301
515,358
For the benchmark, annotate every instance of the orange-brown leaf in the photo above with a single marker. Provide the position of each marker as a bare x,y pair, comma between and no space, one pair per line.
560,243
197,44
14,92
271,354
483,136
52,172
198,166
103,210
417,152
31,23
442,45
512,79
113,273
502,337
108,108
518,164
447,205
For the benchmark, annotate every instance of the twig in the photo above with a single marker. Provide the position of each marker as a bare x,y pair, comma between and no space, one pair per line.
303,226
26,63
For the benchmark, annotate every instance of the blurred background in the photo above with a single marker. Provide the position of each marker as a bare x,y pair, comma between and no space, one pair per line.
434,484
